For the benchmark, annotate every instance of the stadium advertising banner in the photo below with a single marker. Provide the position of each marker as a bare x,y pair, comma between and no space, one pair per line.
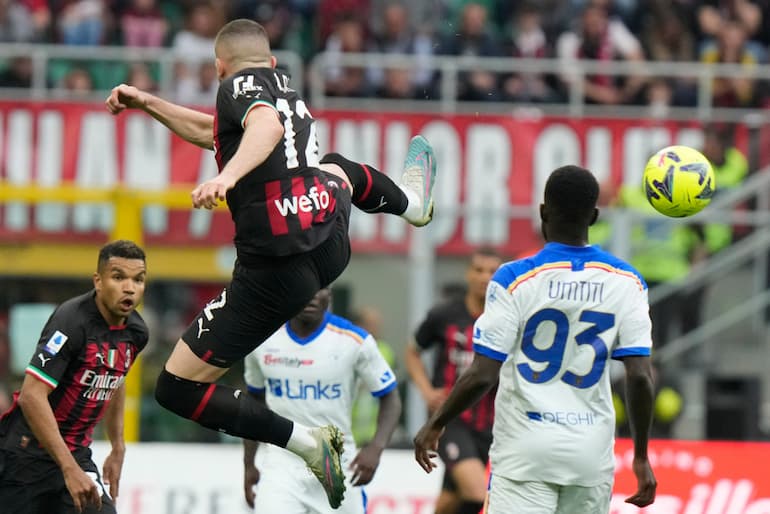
694,477
491,171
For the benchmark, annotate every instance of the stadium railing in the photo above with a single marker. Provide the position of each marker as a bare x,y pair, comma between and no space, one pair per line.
49,60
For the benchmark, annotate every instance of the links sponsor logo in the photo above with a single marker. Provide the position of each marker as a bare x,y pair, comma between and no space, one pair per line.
562,417
290,362
100,387
301,390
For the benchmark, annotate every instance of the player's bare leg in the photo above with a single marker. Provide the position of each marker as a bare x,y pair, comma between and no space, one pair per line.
469,475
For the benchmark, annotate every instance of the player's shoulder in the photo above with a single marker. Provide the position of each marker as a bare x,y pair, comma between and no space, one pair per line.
449,309
345,328
137,326
76,310
603,259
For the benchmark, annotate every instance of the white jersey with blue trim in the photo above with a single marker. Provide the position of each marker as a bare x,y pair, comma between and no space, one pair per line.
313,380
554,320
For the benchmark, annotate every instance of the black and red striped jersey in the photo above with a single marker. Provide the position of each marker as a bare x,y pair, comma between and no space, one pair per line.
286,205
84,361
449,328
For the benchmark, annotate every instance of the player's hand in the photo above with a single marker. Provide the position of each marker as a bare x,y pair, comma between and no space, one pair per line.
365,464
82,488
426,446
113,466
250,479
646,484
124,97
435,398
209,193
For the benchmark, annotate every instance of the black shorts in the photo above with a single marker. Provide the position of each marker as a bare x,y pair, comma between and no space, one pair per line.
263,296
35,485
460,442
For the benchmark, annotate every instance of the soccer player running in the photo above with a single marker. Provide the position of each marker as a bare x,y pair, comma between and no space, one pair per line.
464,448
308,371
75,377
291,235
549,326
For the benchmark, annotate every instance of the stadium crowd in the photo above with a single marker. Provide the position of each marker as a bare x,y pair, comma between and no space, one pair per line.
710,31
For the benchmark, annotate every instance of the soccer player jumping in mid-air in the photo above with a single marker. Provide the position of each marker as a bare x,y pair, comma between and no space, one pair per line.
291,235
549,326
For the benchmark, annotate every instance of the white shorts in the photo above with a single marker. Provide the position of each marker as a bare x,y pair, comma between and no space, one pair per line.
299,492
506,496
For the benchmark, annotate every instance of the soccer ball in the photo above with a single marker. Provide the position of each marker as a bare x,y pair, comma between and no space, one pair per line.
679,181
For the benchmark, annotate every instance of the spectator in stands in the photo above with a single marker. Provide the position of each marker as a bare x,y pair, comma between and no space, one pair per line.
18,74
712,14
194,47
276,16
82,22
348,37
78,81
40,15
397,36
16,24
195,43
143,24
732,46
139,76
526,39
329,12
199,89
424,17
667,37
601,38
474,39
397,84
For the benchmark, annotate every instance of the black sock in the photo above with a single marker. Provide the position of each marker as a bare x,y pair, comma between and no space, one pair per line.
467,507
373,191
222,408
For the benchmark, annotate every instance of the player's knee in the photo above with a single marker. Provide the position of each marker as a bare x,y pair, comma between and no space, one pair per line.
176,394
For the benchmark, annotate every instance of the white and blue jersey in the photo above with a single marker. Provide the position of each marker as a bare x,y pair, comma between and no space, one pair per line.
313,380
554,320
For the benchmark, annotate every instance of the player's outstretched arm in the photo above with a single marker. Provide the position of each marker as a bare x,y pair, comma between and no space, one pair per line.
640,397
113,424
471,386
368,459
33,401
193,126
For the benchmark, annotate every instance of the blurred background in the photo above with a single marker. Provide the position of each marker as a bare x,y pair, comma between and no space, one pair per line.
505,91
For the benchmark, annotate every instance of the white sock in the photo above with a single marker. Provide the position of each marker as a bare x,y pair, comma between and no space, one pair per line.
301,441
414,205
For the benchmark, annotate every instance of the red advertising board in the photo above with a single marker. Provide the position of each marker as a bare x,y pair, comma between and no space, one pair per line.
698,477
491,170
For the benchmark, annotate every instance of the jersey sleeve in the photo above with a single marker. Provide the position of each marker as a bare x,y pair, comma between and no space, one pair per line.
60,343
252,373
496,331
240,94
634,327
373,370
426,335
